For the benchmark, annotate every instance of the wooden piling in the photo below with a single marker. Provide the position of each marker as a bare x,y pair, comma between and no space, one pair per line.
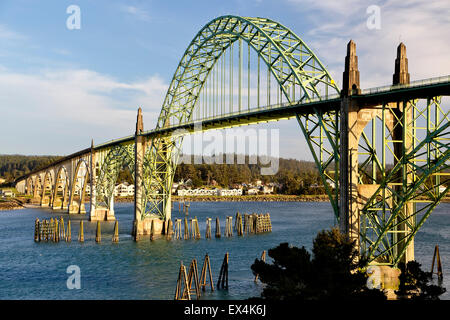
217,228
169,229
51,230
195,229
62,230
98,233
208,228
193,278
69,232
437,257
36,231
115,237
56,231
186,229
182,290
263,258
205,269
229,227
152,231
81,232
222,282
177,229
238,225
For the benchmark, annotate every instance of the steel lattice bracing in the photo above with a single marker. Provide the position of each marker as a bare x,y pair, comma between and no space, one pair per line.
404,194
112,160
298,73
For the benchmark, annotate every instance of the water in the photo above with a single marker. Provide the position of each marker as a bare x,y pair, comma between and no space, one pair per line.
149,270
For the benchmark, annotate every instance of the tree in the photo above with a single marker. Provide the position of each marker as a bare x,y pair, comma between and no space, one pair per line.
415,283
332,272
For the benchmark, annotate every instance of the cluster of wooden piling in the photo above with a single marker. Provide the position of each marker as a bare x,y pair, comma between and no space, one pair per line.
189,283
55,230
256,223
52,230
244,224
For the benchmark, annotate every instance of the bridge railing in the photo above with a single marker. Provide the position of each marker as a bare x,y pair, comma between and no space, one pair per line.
413,84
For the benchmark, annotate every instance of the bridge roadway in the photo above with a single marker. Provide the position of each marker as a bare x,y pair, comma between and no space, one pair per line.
369,98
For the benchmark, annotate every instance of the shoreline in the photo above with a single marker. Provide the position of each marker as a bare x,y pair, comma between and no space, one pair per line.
262,198
13,204
23,203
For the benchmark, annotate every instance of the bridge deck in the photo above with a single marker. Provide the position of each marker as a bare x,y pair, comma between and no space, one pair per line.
369,97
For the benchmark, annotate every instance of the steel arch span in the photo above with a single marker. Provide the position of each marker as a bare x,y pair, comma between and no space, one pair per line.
290,61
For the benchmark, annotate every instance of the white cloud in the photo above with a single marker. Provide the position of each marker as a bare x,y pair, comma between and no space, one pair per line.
139,13
8,34
62,109
422,25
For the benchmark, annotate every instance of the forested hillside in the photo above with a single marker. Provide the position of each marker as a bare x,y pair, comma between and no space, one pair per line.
14,166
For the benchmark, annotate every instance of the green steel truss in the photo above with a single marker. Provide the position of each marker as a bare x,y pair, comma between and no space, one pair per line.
405,170
112,160
299,74
410,188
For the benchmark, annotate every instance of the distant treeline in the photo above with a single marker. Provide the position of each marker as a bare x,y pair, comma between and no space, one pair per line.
14,166
293,176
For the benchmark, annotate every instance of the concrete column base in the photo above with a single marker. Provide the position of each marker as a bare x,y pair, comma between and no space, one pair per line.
389,280
143,227
102,214
75,208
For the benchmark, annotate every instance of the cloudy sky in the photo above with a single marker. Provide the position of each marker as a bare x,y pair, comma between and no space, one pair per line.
60,88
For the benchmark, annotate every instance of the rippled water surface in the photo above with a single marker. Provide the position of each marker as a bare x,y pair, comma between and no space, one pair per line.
149,270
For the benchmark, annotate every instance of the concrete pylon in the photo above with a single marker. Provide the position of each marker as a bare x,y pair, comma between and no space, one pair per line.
402,134
349,137
93,179
401,75
350,82
139,151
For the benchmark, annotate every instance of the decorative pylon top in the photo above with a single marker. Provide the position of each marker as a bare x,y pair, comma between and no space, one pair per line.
92,143
350,83
401,75
139,122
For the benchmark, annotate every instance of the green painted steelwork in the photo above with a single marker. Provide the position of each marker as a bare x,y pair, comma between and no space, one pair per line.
286,56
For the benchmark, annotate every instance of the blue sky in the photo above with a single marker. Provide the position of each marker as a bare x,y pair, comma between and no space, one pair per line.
59,88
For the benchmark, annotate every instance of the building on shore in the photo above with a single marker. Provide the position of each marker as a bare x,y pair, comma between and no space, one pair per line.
124,190
209,192
7,193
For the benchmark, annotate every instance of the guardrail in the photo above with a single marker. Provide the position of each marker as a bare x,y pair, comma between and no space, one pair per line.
417,83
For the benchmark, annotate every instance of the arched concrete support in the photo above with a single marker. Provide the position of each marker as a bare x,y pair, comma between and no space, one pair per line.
77,207
97,212
61,181
47,183
37,188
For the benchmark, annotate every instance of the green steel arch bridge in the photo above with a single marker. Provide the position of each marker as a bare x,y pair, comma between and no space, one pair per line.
383,153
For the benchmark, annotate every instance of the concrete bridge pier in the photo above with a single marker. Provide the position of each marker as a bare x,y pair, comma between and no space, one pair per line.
142,226
354,118
96,212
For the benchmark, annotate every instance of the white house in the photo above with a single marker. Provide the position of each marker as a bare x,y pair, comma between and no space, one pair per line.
7,193
230,192
252,191
124,189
